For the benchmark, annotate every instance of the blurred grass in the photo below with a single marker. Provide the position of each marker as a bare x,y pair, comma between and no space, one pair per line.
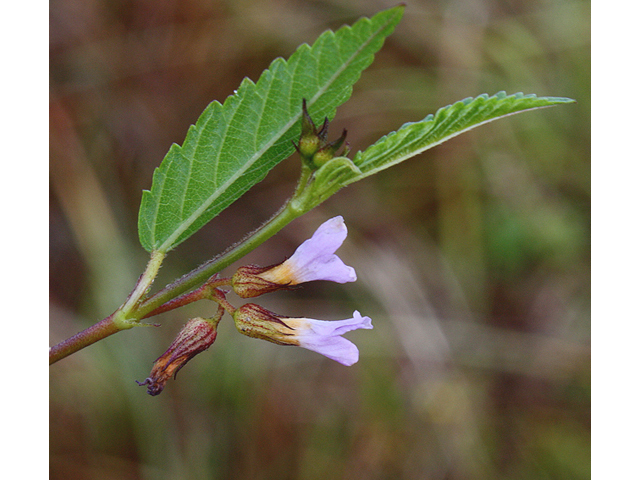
473,259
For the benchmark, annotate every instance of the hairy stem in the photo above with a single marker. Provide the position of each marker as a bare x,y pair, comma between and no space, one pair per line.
137,307
122,319
192,279
100,330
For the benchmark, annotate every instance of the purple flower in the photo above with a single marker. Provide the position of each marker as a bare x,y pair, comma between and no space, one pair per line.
325,337
314,259
317,335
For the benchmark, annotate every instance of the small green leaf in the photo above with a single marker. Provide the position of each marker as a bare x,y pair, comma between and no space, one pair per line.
326,181
414,138
234,145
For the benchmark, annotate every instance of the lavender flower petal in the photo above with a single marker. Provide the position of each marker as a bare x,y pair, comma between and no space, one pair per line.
315,258
324,337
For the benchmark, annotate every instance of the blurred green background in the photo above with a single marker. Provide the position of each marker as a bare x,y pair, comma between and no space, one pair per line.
473,258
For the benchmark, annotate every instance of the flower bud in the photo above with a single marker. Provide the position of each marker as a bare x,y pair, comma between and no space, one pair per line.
196,336
327,152
312,145
310,138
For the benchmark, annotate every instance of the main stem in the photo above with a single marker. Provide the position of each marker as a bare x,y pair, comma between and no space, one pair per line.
100,330
194,278
122,319
136,307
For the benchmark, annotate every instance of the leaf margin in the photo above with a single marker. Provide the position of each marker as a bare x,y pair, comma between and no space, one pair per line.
149,212
532,100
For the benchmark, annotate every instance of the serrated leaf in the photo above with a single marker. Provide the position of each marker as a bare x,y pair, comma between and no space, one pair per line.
414,138
234,145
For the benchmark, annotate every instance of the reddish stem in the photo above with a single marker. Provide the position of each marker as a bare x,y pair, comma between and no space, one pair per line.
208,290
86,337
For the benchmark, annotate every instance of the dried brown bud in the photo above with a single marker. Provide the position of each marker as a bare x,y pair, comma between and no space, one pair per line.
196,336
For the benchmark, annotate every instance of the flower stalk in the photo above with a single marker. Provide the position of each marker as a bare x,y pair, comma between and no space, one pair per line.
209,290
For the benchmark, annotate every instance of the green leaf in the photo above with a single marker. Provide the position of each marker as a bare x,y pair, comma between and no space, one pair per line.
414,138
326,181
234,145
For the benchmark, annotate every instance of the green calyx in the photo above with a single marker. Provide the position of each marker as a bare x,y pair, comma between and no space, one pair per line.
313,146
